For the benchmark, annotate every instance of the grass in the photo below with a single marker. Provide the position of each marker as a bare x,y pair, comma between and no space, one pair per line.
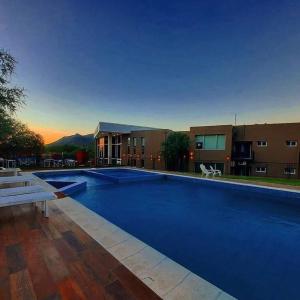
284,181
262,180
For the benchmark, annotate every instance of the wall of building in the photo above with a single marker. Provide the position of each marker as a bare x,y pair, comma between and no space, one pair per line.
152,151
211,156
276,156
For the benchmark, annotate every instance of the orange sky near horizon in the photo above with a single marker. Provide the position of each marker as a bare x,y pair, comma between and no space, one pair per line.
50,134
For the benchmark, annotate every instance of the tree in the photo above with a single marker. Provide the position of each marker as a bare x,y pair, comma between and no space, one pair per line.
11,98
175,151
6,126
68,150
21,141
15,138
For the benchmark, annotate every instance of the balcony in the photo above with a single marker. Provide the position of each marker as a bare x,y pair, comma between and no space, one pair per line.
242,151
243,156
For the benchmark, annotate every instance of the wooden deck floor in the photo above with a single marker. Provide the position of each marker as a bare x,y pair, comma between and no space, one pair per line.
54,258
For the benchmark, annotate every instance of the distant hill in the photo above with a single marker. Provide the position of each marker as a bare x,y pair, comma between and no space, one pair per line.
76,140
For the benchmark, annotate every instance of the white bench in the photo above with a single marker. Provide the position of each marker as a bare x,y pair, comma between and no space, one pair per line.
16,179
9,171
28,198
21,190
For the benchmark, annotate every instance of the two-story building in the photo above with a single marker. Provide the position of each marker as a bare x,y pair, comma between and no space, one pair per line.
137,146
257,150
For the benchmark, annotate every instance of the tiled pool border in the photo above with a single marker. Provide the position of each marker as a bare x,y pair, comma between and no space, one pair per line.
164,276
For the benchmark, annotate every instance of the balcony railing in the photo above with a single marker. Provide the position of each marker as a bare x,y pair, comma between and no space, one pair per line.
249,155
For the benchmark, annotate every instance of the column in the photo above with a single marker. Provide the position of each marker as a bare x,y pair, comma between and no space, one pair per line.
109,148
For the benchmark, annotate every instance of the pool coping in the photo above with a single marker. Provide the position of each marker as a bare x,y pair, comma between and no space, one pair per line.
165,277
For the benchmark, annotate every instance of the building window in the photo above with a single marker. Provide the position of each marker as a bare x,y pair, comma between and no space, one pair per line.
261,170
210,142
128,145
143,145
262,144
142,163
134,145
290,171
291,143
199,145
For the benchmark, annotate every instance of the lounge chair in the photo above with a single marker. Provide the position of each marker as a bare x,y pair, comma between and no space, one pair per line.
27,180
205,171
28,198
21,190
215,171
9,171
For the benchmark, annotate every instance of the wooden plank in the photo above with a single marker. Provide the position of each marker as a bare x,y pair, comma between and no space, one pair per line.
22,229
65,250
70,290
6,214
115,290
131,283
54,262
21,287
97,268
8,234
91,288
59,223
4,272
42,280
84,238
37,236
15,258
5,289
72,240
49,229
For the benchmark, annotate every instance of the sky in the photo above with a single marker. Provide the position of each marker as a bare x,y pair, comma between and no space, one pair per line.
168,64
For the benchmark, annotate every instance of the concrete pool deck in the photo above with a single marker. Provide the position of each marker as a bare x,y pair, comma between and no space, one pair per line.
165,277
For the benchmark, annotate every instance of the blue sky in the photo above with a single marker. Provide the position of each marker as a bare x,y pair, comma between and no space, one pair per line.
170,64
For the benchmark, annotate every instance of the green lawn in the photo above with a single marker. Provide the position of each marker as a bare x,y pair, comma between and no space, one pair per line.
286,181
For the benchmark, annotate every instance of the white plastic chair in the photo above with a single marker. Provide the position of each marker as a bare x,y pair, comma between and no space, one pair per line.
205,171
215,171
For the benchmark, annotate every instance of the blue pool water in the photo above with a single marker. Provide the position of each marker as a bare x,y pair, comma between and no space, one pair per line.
245,241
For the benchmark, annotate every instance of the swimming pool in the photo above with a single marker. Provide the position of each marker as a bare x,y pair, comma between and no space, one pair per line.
243,239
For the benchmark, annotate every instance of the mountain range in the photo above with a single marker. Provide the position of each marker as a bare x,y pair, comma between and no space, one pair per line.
75,139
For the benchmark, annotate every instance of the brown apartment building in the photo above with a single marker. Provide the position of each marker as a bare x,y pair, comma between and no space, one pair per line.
130,145
258,150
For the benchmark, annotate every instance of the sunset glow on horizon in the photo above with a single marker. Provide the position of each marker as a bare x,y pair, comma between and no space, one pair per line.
51,135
